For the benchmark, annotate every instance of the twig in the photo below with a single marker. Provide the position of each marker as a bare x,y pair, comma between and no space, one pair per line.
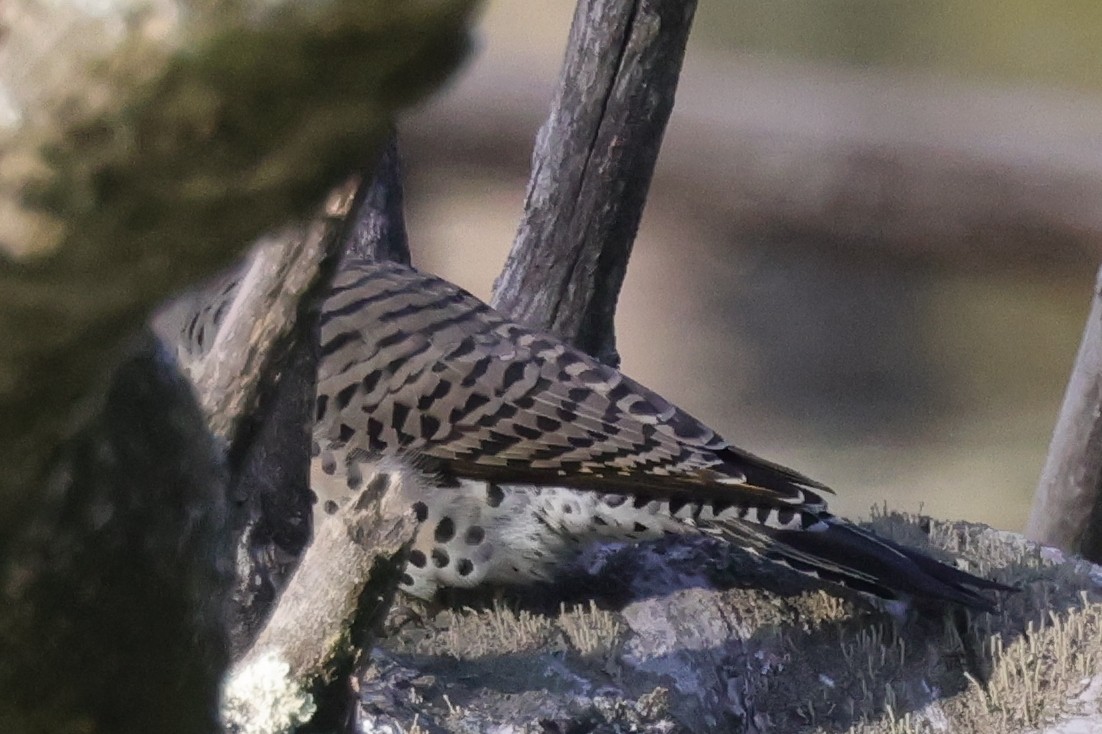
271,689
592,167
284,269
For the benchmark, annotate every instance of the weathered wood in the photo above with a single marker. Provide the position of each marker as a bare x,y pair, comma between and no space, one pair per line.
116,226
284,268
376,229
1067,509
591,169
351,567
258,375
349,571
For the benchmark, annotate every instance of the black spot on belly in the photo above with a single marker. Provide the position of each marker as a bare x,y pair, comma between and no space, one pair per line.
475,535
406,580
465,567
417,558
495,495
378,483
421,511
330,507
440,557
445,530
355,477
639,527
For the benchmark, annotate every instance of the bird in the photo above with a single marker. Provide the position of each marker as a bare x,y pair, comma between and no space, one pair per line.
529,451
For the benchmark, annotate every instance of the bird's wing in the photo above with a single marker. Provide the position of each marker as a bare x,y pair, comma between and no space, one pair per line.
411,363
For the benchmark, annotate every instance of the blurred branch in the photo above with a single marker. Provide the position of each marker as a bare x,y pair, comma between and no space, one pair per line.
283,270
1067,509
130,171
592,167
761,148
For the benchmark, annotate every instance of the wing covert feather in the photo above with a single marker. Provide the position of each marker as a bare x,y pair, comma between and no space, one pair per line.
438,373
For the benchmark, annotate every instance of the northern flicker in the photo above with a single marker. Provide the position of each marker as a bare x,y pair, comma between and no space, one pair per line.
531,450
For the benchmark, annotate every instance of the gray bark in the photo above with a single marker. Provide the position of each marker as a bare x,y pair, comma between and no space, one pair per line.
305,640
284,269
591,169
377,226
1067,509
341,590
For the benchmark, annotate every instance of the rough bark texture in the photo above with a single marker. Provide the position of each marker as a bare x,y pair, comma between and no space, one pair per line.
283,270
128,172
350,569
591,169
1067,509
376,229
217,165
349,572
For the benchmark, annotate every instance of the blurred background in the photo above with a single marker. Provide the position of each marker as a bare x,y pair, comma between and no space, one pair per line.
871,240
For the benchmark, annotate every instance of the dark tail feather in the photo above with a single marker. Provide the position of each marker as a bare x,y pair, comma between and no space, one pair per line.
844,554
945,573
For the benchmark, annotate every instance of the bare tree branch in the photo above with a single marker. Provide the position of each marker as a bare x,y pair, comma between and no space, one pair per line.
377,223
284,268
592,167
350,569
1067,509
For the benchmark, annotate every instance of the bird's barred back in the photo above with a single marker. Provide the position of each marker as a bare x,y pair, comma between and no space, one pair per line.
422,366
531,449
